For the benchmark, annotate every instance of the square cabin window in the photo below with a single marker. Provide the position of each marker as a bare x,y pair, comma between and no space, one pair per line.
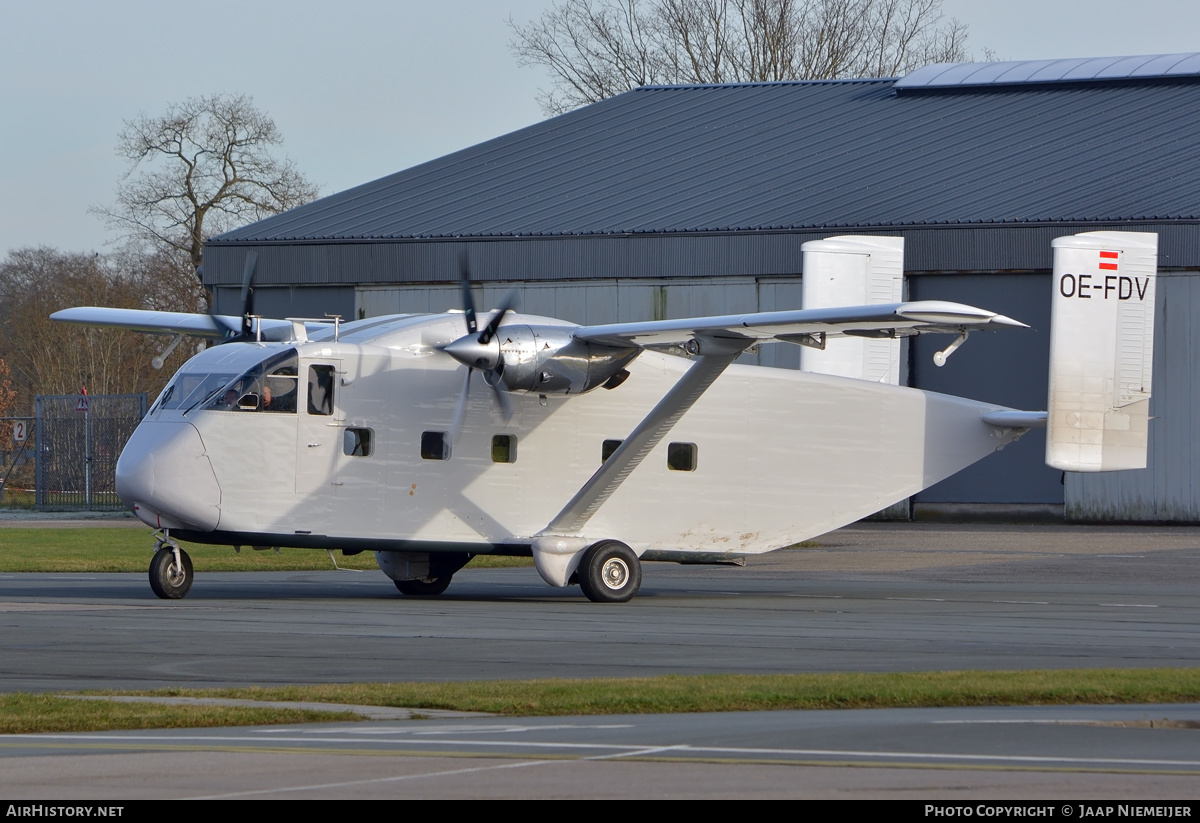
435,446
608,447
504,448
357,442
681,457
320,390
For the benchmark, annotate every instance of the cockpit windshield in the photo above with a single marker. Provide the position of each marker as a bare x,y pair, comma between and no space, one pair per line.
189,388
269,386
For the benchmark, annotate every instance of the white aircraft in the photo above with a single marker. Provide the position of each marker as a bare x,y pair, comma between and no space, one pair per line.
598,447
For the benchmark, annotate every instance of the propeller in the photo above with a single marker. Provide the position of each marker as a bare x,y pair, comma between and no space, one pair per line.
246,332
248,294
479,350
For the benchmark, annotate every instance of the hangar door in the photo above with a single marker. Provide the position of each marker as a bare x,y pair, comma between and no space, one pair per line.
1008,367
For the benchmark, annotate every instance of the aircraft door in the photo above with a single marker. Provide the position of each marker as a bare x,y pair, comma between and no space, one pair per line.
319,440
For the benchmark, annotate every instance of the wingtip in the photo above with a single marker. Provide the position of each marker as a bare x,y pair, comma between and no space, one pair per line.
1001,320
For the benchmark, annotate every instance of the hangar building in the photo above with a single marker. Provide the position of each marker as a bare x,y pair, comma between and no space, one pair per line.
677,201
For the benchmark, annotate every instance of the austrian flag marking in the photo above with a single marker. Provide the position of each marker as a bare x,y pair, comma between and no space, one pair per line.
1108,261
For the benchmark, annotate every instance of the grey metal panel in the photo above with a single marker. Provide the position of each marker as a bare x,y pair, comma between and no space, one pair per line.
539,301
780,295
377,302
289,301
1008,367
980,248
959,75
586,303
1168,490
640,301
821,155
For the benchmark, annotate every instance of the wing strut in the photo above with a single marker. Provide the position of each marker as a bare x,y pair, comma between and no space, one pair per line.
715,355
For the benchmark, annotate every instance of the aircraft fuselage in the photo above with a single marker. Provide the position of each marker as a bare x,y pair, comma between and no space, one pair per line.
356,453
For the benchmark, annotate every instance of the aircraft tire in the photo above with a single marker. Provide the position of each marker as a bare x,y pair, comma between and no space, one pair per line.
610,572
168,581
433,586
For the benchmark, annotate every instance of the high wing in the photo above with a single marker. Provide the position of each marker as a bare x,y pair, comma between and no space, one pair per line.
805,326
168,322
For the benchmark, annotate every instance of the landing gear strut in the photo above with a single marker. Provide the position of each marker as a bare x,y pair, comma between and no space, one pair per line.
170,569
610,572
421,573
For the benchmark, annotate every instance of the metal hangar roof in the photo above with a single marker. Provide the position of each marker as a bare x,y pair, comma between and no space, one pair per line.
978,165
797,155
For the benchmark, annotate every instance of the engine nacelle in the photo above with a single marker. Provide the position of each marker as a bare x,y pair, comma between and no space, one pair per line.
547,360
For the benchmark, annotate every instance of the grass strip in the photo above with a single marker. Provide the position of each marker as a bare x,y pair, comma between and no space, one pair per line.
23,713
128,550
732,692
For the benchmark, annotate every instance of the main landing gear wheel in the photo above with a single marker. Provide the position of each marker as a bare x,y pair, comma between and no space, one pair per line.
434,585
610,572
169,579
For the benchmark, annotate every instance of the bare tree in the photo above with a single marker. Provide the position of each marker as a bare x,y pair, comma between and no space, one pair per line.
594,49
8,397
204,167
55,358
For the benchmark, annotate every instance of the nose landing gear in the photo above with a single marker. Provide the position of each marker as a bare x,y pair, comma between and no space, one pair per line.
170,568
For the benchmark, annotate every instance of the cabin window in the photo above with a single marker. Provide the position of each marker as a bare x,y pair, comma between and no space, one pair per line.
320,390
358,442
504,448
681,457
607,448
435,446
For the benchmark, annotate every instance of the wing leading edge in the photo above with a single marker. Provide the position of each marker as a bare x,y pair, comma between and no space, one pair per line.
216,326
889,320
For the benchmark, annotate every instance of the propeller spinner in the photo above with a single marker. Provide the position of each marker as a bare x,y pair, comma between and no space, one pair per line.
479,350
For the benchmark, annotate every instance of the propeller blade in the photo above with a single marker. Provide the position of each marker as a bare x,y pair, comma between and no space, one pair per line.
248,293
499,392
464,272
503,401
489,331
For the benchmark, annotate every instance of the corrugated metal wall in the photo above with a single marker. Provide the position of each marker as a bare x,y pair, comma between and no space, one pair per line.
946,249
1168,490
1009,367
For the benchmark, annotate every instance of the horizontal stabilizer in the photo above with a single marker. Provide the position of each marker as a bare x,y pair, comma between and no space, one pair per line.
1013,419
1101,351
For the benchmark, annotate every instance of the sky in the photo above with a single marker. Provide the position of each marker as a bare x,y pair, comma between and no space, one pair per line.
358,89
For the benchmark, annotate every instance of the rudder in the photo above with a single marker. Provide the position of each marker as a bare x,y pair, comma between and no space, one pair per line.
1101,351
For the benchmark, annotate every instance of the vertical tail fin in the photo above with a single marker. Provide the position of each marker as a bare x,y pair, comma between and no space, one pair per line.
1101,351
854,271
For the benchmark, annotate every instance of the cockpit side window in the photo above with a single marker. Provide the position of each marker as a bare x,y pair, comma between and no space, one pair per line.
320,390
269,386
279,389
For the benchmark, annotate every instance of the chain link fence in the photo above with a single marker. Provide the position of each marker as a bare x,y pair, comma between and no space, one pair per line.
77,440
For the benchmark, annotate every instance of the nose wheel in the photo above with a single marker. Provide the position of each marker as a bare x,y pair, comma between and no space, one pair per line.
170,570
